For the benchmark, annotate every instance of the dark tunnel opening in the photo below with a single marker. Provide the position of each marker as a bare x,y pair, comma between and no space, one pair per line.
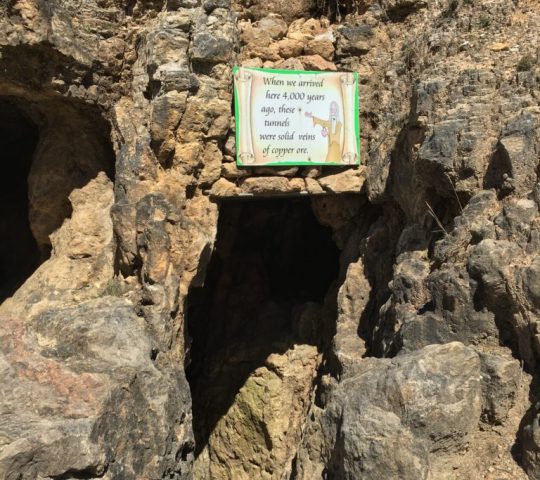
19,252
48,148
272,260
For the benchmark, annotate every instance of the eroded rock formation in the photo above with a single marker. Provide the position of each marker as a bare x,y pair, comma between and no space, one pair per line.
168,315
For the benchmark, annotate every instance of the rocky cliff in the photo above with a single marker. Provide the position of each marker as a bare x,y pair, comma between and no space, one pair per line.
166,314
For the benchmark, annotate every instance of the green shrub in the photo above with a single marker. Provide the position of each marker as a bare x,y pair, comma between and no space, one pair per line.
113,288
484,21
526,63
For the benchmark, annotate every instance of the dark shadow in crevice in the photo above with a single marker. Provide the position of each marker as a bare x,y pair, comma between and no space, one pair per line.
379,254
441,216
335,468
524,439
19,253
272,262
498,171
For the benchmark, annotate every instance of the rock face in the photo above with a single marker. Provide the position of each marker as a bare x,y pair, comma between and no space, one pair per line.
419,403
166,314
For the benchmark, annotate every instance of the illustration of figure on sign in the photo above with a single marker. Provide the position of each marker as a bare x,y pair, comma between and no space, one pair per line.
331,129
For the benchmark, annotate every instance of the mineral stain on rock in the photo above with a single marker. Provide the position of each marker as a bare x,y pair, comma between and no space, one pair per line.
168,315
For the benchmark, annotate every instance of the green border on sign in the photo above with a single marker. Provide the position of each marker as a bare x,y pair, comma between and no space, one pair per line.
299,162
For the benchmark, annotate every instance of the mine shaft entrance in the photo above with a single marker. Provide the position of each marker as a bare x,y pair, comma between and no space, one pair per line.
19,253
49,147
271,259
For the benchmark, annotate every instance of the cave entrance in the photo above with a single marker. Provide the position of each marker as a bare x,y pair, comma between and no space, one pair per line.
272,258
49,147
19,253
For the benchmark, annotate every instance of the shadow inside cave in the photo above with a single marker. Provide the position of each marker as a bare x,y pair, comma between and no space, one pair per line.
19,253
271,258
48,148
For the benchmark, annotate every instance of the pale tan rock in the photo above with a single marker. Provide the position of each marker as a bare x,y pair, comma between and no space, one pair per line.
204,118
289,47
231,171
297,185
165,116
353,297
252,62
82,253
212,160
316,62
258,436
186,156
348,181
499,47
298,36
192,244
290,64
265,185
320,46
274,25
313,187
305,29
259,43
224,188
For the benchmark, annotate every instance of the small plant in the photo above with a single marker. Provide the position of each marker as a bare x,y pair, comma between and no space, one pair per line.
451,8
526,63
113,288
484,21
436,218
63,352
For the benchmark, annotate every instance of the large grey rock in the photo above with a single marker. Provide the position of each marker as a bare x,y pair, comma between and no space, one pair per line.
416,404
501,377
78,381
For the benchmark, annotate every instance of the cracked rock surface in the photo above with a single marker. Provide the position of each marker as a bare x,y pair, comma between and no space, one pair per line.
167,315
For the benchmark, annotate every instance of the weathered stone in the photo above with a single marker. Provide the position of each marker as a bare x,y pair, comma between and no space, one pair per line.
265,185
129,109
353,297
224,188
210,5
210,47
166,116
288,10
424,421
316,62
354,39
290,48
501,378
274,25
349,181
75,365
267,415
320,46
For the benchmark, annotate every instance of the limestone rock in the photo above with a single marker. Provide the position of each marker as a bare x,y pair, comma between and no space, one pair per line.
288,10
271,406
274,25
75,365
348,181
399,414
501,377
316,62
120,189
